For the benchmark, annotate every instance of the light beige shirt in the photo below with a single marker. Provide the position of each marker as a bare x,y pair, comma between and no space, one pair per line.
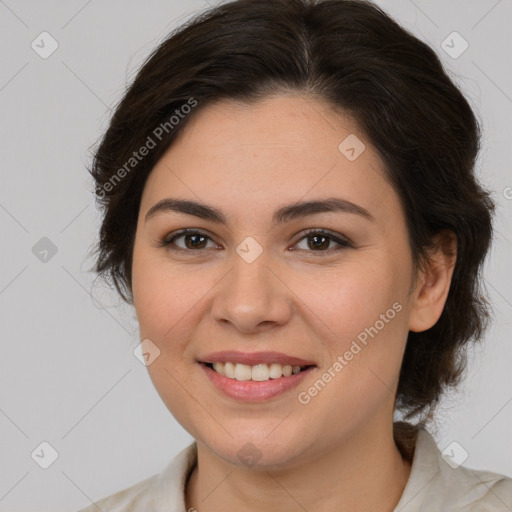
433,484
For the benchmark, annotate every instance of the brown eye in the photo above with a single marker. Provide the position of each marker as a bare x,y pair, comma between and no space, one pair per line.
192,240
320,241
195,241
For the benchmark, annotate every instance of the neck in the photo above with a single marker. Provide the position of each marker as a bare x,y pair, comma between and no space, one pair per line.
365,473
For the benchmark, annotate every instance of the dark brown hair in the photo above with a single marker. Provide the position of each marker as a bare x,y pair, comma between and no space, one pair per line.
361,61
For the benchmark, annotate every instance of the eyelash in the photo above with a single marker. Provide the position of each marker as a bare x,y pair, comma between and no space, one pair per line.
168,242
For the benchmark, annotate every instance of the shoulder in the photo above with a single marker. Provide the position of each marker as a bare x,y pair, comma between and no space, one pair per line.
136,497
161,491
474,490
439,483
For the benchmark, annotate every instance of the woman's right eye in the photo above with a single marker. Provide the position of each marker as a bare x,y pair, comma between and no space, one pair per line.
192,240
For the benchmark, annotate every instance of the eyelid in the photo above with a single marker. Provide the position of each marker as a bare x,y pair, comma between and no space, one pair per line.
341,240
169,238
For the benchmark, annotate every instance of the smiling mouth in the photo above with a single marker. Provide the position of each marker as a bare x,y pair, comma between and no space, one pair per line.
259,372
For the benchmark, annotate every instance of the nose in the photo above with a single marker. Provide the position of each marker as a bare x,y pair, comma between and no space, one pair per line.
253,296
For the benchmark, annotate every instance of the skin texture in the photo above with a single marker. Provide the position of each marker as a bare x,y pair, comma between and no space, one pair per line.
337,452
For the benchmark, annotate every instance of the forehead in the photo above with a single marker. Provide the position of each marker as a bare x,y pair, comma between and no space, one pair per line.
253,157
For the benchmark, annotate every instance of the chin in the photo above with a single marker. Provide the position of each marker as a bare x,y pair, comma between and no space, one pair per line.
255,448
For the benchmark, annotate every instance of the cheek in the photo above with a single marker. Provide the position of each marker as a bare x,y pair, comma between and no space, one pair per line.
167,302
360,317
351,297
158,298
169,299
361,322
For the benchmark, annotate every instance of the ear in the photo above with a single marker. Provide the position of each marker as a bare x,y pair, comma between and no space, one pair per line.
433,283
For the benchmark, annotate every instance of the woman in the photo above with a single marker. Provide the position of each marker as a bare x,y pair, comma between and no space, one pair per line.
290,205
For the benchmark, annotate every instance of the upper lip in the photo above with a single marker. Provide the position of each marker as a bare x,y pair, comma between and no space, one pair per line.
254,358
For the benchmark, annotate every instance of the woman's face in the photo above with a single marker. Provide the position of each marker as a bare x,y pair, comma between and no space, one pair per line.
261,289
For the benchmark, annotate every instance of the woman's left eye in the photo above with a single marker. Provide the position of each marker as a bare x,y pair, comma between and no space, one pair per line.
320,238
317,239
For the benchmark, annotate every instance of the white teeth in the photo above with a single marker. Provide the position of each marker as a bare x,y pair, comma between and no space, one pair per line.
243,372
219,368
275,371
229,370
259,372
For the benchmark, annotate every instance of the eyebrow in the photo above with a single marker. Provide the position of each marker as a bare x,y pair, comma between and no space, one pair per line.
282,215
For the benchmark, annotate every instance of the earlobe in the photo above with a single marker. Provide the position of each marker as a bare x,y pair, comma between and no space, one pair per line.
434,282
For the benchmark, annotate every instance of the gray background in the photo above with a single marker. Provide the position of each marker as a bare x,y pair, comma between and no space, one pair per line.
68,375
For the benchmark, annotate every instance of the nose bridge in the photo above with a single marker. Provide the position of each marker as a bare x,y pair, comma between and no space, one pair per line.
251,294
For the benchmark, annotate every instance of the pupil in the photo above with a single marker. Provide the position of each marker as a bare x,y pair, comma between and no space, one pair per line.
193,245
316,237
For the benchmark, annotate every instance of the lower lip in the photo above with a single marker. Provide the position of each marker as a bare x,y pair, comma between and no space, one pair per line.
254,391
